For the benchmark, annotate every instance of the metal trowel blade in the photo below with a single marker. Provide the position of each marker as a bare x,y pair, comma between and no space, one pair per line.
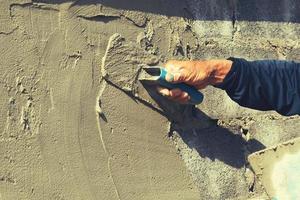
149,74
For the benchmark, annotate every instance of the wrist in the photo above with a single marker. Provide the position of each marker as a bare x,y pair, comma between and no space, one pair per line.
219,70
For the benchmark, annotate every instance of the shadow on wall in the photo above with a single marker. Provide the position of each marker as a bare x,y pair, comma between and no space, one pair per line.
218,143
200,132
229,10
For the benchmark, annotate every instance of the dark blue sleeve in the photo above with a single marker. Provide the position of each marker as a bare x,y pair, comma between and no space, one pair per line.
264,85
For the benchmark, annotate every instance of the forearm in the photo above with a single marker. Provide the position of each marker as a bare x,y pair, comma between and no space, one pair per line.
264,85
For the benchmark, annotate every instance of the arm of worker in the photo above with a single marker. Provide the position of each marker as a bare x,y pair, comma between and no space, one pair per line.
261,85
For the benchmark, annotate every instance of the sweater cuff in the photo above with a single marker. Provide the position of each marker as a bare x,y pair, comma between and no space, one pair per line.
229,80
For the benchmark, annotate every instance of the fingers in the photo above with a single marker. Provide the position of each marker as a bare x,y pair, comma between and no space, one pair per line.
182,98
175,95
163,91
194,73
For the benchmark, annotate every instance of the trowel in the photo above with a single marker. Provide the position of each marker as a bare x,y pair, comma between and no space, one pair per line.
130,68
157,75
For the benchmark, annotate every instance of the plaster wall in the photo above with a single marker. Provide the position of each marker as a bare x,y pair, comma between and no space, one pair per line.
66,133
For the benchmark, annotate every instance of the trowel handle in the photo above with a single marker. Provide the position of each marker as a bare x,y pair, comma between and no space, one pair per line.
196,96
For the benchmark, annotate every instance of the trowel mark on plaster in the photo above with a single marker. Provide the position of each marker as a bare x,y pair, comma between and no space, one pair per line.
121,67
8,32
70,61
99,114
25,118
103,18
184,45
42,6
37,22
120,64
112,178
138,19
51,100
106,14
109,68
30,7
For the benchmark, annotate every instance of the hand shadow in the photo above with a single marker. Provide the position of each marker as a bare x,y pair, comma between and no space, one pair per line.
202,133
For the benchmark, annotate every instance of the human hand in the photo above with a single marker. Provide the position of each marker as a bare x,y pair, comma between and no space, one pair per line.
195,73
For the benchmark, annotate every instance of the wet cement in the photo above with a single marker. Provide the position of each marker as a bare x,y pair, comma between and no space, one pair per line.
66,132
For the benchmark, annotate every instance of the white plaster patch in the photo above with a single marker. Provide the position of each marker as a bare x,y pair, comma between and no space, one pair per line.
286,177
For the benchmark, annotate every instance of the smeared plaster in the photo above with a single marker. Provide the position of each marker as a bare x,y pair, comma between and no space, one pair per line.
54,142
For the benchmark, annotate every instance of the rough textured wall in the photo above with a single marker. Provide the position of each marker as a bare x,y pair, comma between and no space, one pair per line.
66,133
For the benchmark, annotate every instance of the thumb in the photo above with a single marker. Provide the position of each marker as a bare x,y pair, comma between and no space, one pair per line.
174,74
175,77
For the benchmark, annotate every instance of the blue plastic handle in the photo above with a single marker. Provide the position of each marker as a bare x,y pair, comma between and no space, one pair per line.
196,96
